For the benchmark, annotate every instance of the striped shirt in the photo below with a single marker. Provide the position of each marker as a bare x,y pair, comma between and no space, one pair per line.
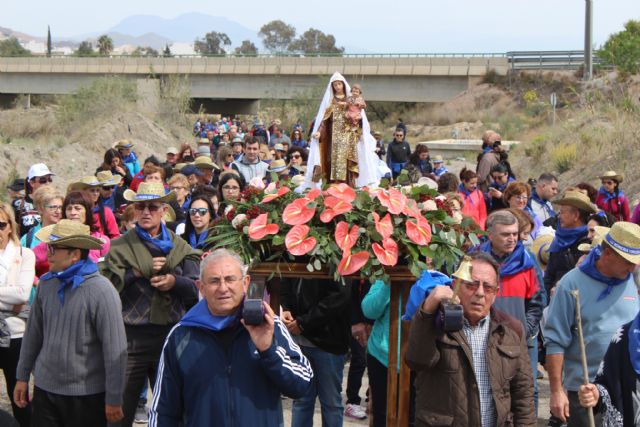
477,337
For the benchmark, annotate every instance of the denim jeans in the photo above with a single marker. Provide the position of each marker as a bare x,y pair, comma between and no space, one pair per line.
532,347
327,386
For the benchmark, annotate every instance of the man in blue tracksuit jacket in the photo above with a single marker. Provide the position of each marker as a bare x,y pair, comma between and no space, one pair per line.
215,370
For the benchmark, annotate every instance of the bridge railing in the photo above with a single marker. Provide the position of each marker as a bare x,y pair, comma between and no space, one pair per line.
547,59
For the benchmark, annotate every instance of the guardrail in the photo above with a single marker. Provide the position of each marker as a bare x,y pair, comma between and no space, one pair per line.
547,59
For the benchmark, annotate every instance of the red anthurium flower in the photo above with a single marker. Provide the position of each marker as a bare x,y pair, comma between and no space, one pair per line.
393,200
297,242
313,194
419,232
345,238
335,207
259,227
281,192
352,262
297,212
384,226
387,253
342,191
411,209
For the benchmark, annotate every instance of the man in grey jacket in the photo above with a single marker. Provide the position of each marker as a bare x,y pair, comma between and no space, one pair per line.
249,164
75,343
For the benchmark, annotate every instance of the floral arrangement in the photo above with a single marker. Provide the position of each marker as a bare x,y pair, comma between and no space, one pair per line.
343,230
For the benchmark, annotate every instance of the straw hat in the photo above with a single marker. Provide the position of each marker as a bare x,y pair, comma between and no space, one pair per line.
578,200
540,248
123,143
624,238
204,141
277,166
613,176
84,183
438,159
279,147
169,215
204,162
600,232
70,234
149,192
107,179
178,167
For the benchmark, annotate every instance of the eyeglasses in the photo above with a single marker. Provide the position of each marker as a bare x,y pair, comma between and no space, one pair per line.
199,211
296,156
521,198
53,207
109,187
474,286
43,179
151,206
230,188
217,281
3,225
51,250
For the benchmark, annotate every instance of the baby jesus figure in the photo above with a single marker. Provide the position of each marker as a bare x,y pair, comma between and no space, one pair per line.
355,105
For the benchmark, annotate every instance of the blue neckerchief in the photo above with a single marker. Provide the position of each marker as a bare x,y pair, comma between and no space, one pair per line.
487,149
543,203
130,158
588,267
200,317
567,237
610,196
73,275
163,243
634,344
187,203
466,193
421,289
519,260
110,201
197,242
439,171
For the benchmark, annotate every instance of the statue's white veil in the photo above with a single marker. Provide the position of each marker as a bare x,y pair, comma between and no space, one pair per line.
367,159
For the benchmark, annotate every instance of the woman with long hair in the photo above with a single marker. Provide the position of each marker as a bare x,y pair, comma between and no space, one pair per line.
610,197
17,272
474,205
230,188
419,164
113,162
200,215
185,155
104,220
296,138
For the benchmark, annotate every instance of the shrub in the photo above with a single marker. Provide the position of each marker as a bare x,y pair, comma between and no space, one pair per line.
564,156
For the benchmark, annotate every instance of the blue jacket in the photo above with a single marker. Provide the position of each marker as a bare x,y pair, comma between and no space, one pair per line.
202,383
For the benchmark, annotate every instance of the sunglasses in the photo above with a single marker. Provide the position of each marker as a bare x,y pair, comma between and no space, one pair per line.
109,187
51,250
296,156
43,179
142,206
3,225
473,287
199,211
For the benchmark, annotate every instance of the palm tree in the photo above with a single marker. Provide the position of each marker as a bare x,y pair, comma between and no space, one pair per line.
105,45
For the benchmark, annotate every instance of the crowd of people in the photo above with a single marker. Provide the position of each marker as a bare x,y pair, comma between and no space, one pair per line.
105,291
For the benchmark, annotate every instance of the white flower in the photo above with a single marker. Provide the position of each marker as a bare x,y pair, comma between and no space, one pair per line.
239,221
257,183
429,205
228,209
271,189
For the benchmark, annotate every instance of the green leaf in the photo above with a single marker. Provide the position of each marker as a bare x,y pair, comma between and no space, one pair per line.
310,268
474,239
277,240
317,264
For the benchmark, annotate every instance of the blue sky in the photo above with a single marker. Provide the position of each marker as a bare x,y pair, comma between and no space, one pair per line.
374,25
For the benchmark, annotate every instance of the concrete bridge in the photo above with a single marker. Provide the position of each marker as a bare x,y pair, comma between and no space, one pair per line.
238,83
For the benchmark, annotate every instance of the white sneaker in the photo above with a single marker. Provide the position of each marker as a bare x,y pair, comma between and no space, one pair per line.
355,411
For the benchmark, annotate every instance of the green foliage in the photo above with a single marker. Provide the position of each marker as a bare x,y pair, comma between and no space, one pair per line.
315,41
564,156
277,35
105,45
175,98
12,47
212,44
536,147
510,125
247,48
622,49
167,52
85,49
102,98
145,51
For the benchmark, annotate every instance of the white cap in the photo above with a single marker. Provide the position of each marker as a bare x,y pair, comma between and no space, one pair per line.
172,150
39,169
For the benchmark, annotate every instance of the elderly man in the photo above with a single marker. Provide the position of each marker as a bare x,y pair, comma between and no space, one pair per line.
249,164
218,370
575,208
520,295
155,273
278,137
75,343
479,376
545,190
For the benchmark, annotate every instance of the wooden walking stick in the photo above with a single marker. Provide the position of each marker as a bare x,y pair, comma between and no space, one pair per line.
583,353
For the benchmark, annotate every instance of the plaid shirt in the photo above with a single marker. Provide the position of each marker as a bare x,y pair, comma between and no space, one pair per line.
477,337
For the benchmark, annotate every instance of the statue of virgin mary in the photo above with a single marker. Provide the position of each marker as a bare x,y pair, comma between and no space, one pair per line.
337,153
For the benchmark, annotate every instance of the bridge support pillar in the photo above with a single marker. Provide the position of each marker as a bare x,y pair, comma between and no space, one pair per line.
226,106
